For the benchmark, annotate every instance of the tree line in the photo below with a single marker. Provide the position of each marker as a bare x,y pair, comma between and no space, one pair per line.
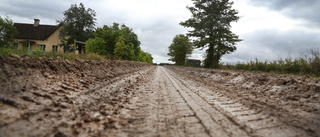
117,42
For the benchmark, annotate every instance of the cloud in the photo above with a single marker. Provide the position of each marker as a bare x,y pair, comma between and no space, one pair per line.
272,30
33,9
272,45
298,9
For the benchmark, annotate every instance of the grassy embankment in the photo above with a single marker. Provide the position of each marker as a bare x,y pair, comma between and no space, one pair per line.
308,65
4,52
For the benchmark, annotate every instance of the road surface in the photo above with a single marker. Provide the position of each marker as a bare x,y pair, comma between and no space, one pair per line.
47,97
168,104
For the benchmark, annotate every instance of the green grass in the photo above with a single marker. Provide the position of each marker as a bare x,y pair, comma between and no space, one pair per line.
68,56
5,52
308,65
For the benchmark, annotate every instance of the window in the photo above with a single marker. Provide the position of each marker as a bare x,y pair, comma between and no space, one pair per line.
42,47
15,45
60,35
54,48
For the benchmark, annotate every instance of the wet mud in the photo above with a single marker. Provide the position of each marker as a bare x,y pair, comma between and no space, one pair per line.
55,97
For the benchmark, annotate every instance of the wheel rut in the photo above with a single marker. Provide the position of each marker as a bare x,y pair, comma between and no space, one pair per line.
166,107
215,123
170,105
240,117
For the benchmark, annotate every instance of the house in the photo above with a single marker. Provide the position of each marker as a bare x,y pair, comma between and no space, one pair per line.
33,36
193,63
45,37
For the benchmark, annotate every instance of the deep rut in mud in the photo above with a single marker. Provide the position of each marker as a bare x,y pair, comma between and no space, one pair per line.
112,98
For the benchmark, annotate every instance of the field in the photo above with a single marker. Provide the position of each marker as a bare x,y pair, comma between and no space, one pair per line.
57,97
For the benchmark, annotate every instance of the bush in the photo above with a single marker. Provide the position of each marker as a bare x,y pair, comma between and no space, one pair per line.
5,52
309,65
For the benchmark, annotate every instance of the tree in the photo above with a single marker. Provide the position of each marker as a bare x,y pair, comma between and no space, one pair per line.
180,48
117,41
7,31
131,38
116,38
97,45
78,24
124,51
109,36
149,58
145,57
211,28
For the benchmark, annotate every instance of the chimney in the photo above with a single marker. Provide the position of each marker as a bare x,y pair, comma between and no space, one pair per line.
36,22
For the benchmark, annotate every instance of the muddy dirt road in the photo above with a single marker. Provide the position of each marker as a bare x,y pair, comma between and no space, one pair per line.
53,97
172,104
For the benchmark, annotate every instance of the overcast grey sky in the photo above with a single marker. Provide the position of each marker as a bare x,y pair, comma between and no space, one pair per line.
270,29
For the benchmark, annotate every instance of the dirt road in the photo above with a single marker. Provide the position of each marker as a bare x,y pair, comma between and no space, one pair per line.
112,98
173,105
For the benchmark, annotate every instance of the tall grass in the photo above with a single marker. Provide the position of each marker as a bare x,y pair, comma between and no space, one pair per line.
307,65
6,51
69,56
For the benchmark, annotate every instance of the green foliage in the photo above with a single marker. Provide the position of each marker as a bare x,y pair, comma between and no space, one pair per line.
78,24
131,39
117,42
37,53
180,49
106,35
211,27
111,34
69,56
97,45
6,51
123,51
145,57
303,66
7,31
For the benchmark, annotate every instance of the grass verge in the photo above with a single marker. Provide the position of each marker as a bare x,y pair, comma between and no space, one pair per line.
308,65
69,56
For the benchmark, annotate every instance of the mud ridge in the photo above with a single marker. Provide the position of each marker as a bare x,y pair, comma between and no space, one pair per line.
42,97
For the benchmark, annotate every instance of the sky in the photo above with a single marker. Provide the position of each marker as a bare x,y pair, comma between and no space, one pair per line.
270,29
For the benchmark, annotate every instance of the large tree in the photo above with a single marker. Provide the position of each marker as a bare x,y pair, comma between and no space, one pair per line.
78,24
180,48
211,28
7,31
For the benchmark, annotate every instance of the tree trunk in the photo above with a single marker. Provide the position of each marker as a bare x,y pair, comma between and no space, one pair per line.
213,58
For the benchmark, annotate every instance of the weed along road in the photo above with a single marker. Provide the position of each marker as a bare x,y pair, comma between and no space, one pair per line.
55,97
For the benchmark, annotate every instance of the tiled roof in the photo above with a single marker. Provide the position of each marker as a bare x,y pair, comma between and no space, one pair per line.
28,31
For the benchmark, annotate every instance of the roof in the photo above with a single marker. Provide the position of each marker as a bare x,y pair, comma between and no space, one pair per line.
29,31
193,60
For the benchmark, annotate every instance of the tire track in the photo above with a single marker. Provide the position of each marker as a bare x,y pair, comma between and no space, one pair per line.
254,122
210,118
159,110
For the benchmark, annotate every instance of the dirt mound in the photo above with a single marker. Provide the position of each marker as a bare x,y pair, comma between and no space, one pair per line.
41,96
296,100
